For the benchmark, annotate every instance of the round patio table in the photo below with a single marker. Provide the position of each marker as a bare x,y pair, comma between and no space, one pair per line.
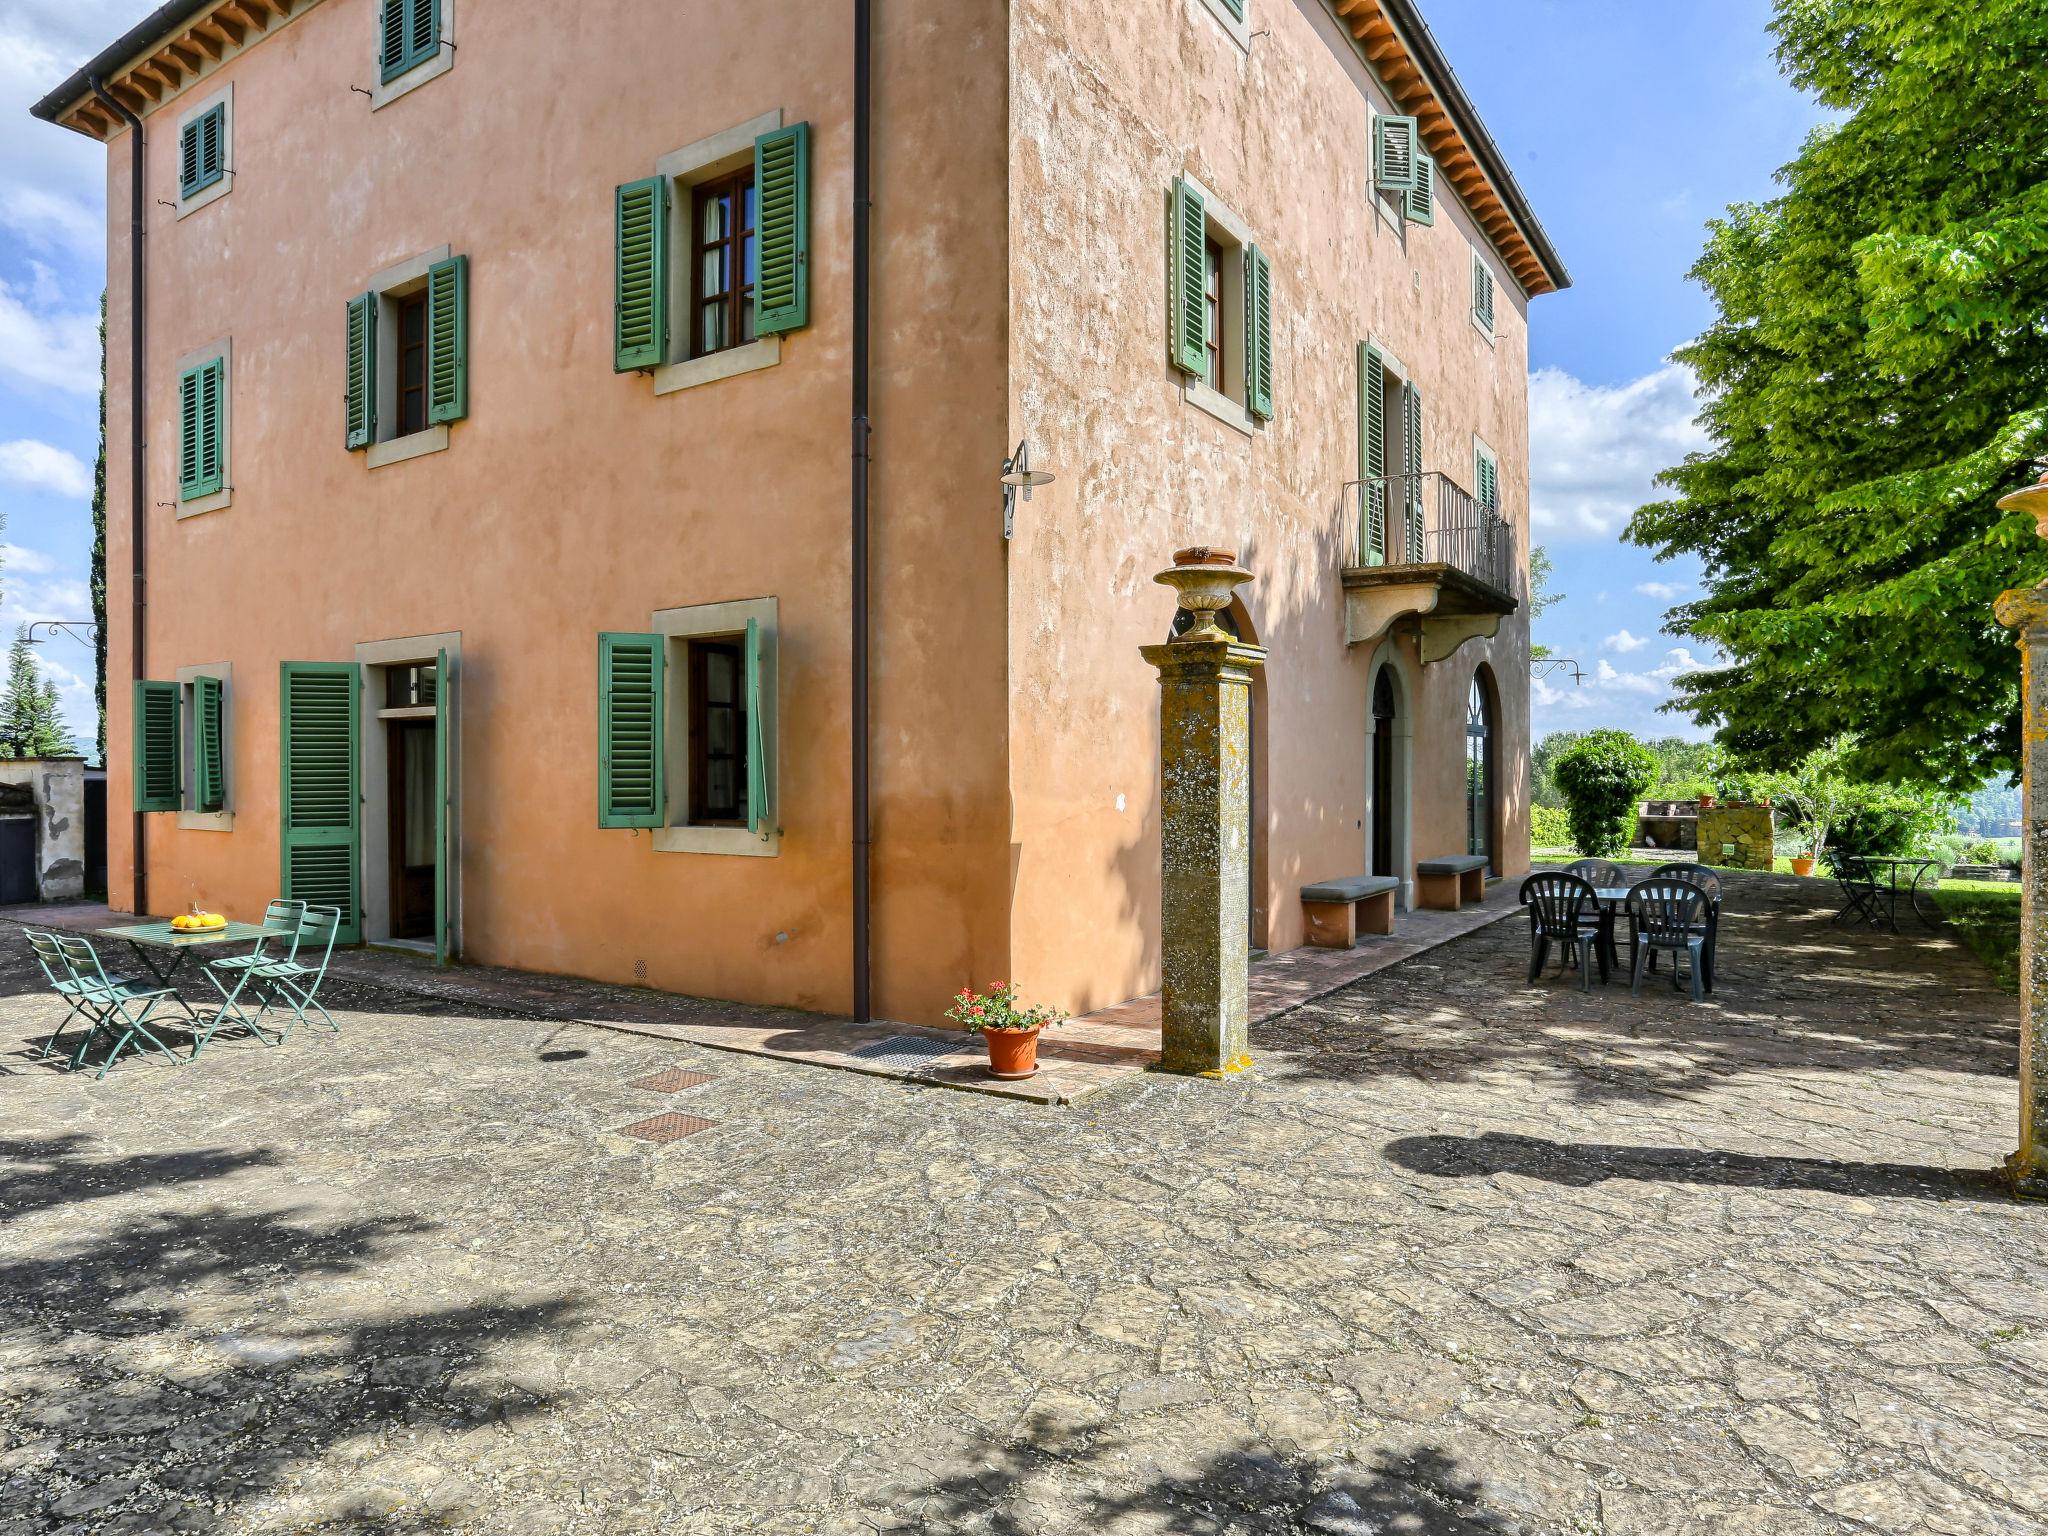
1889,887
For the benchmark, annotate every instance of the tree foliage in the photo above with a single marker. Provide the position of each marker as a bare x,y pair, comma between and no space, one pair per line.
31,719
1876,378
1603,774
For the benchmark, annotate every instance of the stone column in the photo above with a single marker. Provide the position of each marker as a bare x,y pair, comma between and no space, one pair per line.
1205,680
2026,609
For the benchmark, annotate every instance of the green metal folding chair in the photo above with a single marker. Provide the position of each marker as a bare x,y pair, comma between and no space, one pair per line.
66,984
122,1009
282,923
293,984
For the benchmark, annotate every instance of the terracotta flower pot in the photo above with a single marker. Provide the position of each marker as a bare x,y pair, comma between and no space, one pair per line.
1012,1053
1706,801
1802,866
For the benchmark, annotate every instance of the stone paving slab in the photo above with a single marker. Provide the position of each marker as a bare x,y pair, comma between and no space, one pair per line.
1461,1255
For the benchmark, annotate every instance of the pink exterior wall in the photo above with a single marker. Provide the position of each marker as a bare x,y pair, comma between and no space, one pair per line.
573,500
1111,99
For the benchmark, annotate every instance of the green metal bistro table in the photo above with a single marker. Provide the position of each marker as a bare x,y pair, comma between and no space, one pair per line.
162,938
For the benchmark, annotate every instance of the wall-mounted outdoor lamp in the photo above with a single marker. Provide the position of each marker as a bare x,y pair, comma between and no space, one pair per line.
1019,475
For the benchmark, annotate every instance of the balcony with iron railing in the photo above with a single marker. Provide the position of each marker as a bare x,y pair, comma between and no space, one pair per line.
1426,547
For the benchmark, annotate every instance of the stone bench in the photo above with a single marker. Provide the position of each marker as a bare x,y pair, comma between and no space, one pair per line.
1336,910
1445,885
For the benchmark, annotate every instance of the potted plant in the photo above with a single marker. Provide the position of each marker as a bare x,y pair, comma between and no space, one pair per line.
1706,799
1010,1032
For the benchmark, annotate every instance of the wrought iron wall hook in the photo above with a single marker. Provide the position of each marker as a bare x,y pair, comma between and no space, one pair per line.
1541,667
361,92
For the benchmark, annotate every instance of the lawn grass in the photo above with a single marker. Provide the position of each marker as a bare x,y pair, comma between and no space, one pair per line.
1987,914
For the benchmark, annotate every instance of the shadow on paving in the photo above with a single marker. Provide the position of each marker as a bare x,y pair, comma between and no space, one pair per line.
1579,1165
1242,1487
1794,993
170,1366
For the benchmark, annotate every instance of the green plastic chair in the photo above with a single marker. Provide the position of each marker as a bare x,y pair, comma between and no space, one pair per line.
282,920
295,985
66,984
121,1008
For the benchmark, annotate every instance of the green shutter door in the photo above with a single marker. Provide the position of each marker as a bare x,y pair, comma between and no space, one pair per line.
1187,243
1421,200
1258,333
1372,455
158,766
448,340
1394,153
782,177
757,735
359,386
209,748
631,685
640,271
321,802
444,837
1413,446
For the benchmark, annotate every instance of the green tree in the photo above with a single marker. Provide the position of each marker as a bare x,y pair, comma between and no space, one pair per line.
31,720
1543,758
99,547
1603,776
1541,571
1876,377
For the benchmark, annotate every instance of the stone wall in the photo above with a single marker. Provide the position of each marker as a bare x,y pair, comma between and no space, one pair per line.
58,784
1737,836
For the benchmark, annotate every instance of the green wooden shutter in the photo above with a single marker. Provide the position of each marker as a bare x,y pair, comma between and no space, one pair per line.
1482,292
1372,455
391,38
201,161
423,29
782,203
1258,333
1187,246
199,428
640,290
209,744
1413,454
1421,200
158,764
448,340
320,808
1235,7
631,689
1486,476
757,735
1394,153
360,372
408,33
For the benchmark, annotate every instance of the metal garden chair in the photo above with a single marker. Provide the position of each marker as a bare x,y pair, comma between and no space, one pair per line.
66,984
1603,874
294,985
1859,887
1565,910
122,1009
1667,915
282,920
1710,883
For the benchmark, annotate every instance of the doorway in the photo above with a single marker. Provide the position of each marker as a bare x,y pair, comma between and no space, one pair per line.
1479,774
1389,764
413,856
1383,774
410,857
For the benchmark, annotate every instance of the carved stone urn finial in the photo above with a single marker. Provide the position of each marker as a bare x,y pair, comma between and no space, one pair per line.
1204,577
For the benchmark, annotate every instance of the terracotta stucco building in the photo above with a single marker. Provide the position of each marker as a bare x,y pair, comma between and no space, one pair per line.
502,449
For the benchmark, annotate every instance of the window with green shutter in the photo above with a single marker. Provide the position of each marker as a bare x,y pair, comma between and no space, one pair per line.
1258,334
209,744
1411,440
408,34
1187,242
202,150
631,689
641,274
782,176
1372,455
158,761
447,361
202,391
359,388
1485,477
1420,201
1482,293
1395,153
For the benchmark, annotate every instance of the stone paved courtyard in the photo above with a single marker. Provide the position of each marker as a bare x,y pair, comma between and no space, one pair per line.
1462,1255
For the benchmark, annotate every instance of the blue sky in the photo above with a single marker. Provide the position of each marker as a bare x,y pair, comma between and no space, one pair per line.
1628,124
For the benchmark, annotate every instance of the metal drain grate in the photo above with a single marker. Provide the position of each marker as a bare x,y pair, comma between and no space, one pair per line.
907,1052
674,1080
666,1127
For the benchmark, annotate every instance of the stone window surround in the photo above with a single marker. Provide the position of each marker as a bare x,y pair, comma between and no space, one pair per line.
1480,446
373,657
1239,28
704,620
225,496
1233,235
709,158
191,819
398,281
225,99
384,92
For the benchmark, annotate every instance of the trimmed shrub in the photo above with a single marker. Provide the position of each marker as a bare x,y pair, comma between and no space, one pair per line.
1602,777
1549,827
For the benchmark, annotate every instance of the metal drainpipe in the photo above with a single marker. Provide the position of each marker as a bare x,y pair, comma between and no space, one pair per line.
862,435
137,491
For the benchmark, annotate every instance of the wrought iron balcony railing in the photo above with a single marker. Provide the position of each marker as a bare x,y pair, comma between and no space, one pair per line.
1430,519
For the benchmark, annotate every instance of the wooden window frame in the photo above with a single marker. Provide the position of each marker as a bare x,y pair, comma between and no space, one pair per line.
411,310
697,729
1212,312
737,300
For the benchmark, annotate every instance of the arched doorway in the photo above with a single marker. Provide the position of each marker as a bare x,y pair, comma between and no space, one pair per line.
1384,710
1388,767
1479,770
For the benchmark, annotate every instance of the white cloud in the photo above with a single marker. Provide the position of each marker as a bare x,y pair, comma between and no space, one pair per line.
1662,591
1596,449
40,466
1623,642
60,351
1607,676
